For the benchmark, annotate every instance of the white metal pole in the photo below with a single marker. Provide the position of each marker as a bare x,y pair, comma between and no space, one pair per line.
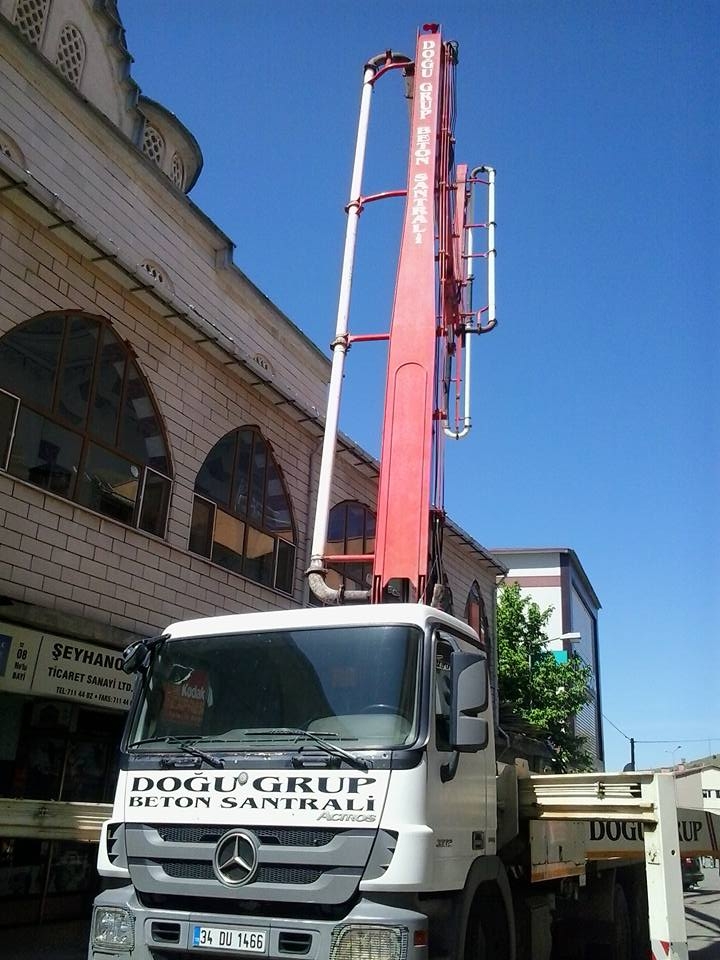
491,254
466,419
467,377
468,339
339,345
491,319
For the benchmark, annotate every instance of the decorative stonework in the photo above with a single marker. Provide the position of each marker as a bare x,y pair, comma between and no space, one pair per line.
70,56
153,145
157,273
30,19
177,171
263,363
11,150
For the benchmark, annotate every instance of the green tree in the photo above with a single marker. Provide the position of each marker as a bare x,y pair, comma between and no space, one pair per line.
537,687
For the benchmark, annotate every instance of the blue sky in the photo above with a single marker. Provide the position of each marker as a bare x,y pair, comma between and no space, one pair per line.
596,411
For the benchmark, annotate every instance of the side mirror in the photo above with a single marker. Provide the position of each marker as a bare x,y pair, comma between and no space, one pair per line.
133,657
469,673
136,657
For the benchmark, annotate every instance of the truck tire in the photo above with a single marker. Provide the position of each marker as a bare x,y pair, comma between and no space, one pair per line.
621,945
475,945
634,886
614,941
488,935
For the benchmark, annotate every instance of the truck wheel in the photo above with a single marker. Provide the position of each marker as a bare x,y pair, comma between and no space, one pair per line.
621,943
614,939
475,946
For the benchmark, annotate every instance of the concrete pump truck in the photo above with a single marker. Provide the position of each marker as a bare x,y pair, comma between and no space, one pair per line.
323,782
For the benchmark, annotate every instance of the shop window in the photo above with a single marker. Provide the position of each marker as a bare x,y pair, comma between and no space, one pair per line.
77,419
52,750
241,511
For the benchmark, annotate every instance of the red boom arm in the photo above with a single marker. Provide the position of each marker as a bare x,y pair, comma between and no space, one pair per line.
410,419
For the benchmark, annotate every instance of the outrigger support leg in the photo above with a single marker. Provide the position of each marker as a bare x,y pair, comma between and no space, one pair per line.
666,910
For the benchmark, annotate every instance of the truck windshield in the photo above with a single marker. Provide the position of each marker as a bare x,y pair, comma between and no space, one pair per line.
355,686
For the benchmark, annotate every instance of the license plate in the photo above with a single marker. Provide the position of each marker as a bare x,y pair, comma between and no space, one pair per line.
230,938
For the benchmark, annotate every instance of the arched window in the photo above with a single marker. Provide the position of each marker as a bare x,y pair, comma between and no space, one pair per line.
241,511
351,530
78,419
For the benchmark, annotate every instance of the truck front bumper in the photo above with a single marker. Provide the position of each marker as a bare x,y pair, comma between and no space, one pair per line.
123,929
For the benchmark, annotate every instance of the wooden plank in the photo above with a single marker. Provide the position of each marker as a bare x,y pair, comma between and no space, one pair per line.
53,819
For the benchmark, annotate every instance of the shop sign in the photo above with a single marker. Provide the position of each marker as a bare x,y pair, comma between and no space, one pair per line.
52,666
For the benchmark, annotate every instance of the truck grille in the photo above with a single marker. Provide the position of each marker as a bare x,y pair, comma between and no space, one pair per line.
285,837
323,866
195,870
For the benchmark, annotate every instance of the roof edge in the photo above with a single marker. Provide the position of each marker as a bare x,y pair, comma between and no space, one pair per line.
565,551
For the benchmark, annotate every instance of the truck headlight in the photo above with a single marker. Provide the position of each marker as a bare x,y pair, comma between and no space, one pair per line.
113,927
363,941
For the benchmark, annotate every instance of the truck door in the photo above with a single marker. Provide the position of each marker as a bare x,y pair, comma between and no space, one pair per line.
461,810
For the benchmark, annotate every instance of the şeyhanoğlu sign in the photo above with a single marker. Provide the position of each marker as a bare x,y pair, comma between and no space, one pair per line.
48,665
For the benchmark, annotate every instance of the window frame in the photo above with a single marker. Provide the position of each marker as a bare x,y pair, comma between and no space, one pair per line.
13,427
340,568
441,712
83,430
249,520
141,501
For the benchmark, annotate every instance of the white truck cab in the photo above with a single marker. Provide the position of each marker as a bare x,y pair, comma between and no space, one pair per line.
293,782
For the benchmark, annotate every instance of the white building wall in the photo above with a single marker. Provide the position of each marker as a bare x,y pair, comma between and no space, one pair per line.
710,787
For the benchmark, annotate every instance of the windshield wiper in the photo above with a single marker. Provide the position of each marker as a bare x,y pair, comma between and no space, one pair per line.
186,744
333,749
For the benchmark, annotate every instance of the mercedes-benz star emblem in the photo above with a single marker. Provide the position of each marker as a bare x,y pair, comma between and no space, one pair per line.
235,860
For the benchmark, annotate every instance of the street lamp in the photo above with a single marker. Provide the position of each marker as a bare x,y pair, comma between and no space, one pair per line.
566,641
567,638
631,765
673,752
